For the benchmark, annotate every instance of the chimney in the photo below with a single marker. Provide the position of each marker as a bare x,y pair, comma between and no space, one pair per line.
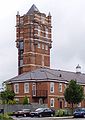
78,69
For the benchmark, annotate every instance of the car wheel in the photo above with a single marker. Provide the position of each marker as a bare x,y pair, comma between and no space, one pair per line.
24,115
84,116
40,115
51,115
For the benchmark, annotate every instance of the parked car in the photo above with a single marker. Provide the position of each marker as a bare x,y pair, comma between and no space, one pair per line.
79,112
43,112
23,112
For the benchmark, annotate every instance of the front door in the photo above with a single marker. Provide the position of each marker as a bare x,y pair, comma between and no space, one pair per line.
40,101
61,104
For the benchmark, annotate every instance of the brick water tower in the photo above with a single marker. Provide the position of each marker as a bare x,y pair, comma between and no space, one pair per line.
33,40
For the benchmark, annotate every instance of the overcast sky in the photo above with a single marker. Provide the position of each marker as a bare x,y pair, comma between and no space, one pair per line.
68,33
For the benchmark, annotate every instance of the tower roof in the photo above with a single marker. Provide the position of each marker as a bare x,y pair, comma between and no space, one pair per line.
49,14
32,10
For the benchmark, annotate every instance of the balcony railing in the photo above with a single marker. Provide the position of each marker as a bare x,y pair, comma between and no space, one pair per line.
39,93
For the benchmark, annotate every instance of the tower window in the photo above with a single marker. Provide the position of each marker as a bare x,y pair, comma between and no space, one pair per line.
43,19
46,31
21,20
21,62
39,30
21,45
46,47
21,54
42,46
38,45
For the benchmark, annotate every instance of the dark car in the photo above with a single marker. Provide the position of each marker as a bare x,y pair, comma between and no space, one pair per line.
23,112
43,112
79,112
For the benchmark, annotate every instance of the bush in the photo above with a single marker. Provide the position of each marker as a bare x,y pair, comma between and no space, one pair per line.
25,101
62,112
10,113
5,117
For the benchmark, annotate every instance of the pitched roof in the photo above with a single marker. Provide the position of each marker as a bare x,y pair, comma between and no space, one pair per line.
32,10
45,74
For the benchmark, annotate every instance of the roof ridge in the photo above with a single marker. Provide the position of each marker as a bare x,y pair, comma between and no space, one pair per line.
32,10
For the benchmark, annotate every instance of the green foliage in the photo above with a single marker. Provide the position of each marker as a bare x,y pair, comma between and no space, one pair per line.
5,117
59,113
7,95
12,102
62,112
74,93
25,101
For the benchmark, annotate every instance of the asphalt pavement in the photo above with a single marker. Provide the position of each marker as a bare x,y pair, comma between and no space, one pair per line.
44,118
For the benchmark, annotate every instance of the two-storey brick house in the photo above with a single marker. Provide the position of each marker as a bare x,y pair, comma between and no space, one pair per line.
45,85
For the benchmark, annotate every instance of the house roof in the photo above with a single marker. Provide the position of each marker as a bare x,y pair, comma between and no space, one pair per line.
45,74
32,10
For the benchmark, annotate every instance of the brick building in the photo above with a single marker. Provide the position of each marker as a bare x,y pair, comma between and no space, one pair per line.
33,40
35,78
45,85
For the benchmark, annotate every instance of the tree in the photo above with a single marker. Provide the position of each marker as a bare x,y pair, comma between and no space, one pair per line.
25,101
74,93
7,95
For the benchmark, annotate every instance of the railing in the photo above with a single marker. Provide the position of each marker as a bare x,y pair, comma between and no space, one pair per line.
39,93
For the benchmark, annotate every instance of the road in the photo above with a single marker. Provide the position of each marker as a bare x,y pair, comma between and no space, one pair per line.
46,118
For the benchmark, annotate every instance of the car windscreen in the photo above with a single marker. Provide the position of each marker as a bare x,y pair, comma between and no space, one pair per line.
39,109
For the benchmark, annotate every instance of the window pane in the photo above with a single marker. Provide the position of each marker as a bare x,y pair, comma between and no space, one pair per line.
38,45
16,88
26,87
42,46
52,87
46,47
21,45
60,87
52,102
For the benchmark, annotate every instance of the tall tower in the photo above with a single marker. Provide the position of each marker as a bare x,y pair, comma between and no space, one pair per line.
33,40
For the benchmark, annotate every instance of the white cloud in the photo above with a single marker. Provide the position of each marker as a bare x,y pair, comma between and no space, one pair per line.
68,33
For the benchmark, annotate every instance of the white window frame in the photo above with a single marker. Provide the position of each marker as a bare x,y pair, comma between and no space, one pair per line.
16,88
51,102
60,87
26,87
52,87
